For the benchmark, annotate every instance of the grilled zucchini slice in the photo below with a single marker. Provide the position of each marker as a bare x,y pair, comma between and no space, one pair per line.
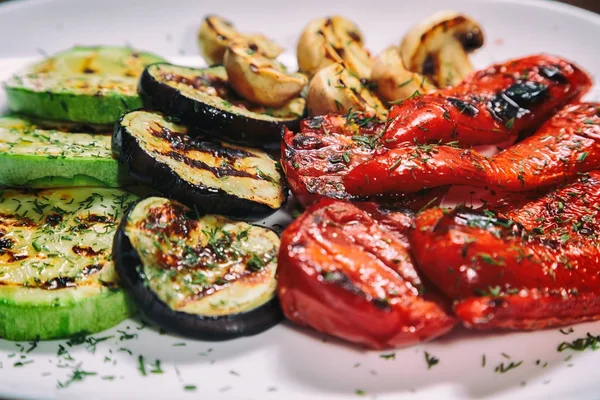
57,277
36,157
204,99
94,85
215,177
200,276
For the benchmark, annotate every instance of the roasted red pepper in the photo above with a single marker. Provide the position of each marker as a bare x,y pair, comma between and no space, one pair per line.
491,105
316,159
344,269
566,145
488,107
536,266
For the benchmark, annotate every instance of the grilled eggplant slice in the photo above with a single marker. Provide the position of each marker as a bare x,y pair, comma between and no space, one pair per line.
56,273
199,276
204,99
214,177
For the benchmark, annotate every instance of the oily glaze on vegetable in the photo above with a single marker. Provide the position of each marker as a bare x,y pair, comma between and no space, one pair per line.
533,267
491,105
345,269
565,146
203,276
316,159
359,155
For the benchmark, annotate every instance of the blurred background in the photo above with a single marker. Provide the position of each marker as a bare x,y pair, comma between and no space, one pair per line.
592,5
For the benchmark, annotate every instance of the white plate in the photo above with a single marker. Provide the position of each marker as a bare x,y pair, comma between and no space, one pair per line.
286,362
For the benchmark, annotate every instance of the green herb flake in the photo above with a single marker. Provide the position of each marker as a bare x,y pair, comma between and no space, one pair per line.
431,360
589,342
502,368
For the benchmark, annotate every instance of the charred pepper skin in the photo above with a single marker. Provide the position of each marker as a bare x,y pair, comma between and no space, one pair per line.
491,105
565,146
534,266
421,144
345,270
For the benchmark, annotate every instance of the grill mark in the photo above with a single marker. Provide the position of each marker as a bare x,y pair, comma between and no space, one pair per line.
53,219
169,219
60,282
91,269
219,172
340,279
17,221
12,257
86,251
198,82
94,218
228,278
6,243
182,142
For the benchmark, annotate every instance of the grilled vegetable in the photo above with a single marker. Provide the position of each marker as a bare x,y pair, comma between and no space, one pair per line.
491,105
534,267
565,146
317,159
258,78
439,47
214,177
345,269
216,34
200,276
204,99
56,273
31,156
93,85
333,40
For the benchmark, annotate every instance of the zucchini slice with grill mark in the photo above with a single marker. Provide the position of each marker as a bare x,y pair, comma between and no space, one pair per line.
36,157
215,177
93,85
204,99
199,276
57,277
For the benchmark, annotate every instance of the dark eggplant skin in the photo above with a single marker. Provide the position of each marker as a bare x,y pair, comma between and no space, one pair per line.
146,170
207,119
208,328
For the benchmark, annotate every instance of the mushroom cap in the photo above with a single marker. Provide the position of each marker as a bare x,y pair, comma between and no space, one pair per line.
442,42
330,40
258,78
216,33
336,90
393,81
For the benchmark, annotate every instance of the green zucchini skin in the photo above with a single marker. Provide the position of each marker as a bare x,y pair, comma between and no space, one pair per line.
57,276
35,157
88,85
63,315
129,264
207,118
105,109
142,166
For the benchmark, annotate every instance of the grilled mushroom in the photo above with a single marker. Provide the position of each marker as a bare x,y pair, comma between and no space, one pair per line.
336,90
216,34
333,40
258,78
439,47
392,80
